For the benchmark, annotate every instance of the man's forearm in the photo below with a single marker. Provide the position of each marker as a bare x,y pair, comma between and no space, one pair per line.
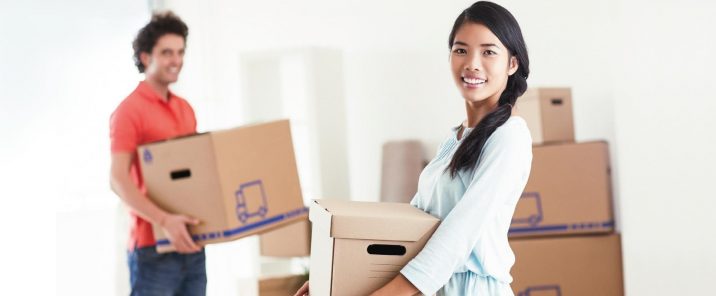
130,195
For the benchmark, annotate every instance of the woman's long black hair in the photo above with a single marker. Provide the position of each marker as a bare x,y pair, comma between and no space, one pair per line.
505,27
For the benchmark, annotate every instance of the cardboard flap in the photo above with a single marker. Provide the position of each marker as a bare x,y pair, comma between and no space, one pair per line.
372,220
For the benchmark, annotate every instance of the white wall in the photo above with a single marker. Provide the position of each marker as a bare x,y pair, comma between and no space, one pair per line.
63,67
665,119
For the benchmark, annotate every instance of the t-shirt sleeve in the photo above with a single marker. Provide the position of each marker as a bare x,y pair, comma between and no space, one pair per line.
124,129
192,115
501,174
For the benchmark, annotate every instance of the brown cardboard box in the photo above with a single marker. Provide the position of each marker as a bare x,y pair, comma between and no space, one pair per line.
237,182
575,265
357,247
548,113
281,285
568,192
293,240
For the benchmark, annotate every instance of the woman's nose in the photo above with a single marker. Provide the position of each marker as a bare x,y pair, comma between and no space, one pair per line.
473,67
473,63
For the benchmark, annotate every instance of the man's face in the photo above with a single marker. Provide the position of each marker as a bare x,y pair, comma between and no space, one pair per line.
164,63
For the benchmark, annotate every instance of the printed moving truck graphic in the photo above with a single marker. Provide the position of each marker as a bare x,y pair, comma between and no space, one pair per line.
251,201
551,290
529,210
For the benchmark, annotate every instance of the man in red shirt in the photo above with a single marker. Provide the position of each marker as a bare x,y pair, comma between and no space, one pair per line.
152,113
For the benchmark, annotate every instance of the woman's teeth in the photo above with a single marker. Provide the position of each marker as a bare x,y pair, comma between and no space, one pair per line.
473,80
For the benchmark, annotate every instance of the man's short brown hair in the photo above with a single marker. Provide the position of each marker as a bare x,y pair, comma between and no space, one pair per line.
162,23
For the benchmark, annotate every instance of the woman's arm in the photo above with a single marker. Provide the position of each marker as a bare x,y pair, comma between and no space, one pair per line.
399,286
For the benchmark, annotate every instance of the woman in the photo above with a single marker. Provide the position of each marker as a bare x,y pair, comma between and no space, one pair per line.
481,169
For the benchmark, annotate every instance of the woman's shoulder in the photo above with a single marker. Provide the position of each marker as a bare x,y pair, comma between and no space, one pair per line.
513,131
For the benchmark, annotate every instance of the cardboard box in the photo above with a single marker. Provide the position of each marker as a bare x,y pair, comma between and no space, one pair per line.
281,285
548,113
569,191
575,265
357,247
403,161
293,240
237,182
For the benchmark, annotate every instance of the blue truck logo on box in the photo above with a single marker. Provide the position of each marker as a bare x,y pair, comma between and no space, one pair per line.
548,290
533,202
251,201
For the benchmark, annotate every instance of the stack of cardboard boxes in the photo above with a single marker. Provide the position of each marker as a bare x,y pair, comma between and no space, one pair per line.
562,232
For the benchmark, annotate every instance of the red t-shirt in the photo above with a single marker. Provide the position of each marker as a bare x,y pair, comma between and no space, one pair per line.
144,117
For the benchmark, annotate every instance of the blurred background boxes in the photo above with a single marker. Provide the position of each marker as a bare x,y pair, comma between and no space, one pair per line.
281,285
569,191
562,231
292,240
548,112
401,166
585,265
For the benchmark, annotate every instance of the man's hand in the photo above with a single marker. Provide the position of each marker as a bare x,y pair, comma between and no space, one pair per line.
175,228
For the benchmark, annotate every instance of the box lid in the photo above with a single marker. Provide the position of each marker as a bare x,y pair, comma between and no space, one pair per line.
371,220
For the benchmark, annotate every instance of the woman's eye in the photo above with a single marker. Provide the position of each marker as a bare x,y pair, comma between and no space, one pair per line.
489,52
460,51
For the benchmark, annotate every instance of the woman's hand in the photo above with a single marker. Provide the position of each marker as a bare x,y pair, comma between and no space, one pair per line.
303,291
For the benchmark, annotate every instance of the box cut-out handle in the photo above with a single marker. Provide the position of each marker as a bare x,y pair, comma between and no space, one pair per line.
391,250
180,174
556,101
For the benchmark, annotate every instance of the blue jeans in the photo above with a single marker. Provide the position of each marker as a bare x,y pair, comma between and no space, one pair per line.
151,273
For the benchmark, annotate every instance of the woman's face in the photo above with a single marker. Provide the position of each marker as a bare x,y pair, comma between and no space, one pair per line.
480,63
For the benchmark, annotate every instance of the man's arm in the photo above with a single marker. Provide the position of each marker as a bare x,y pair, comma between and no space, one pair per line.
174,226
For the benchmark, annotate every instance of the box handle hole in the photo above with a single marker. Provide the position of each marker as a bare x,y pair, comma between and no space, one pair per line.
392,250
556,101
180,174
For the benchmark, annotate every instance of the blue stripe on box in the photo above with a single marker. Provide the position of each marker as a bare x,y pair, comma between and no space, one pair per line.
231,232
563,227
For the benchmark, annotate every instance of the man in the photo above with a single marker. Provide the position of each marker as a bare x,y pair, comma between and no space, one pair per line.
152,113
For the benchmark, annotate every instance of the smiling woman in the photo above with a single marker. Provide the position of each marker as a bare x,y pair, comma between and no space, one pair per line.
475,180
481,168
